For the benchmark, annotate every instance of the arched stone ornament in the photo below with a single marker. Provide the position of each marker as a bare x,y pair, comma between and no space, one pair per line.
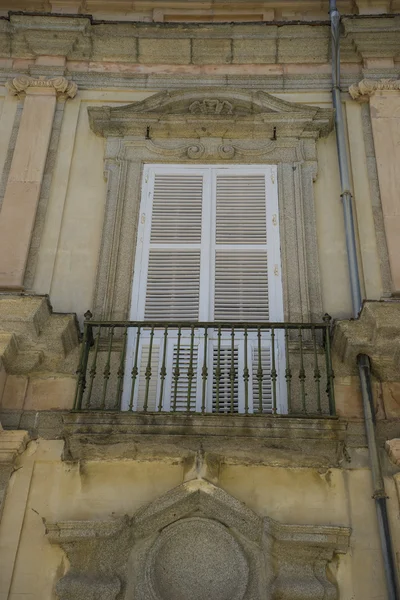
197,542
214,126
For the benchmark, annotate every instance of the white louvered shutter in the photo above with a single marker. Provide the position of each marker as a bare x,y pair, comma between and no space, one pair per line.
241,257
173,270
208,250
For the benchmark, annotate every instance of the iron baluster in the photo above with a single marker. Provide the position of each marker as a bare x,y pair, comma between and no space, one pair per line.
317,372
163,371
259,372
176,370
148,372
107,369
135,370
190,371
204,373
273,371
93,368
121,369
246,375
302,374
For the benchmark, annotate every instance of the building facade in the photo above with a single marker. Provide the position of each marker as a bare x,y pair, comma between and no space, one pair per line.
193,402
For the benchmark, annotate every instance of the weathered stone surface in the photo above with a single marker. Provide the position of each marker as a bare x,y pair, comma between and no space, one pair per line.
375,333
197,558
209,116
96,436
38,340
12,443
199,542
393,450
173,51
211,52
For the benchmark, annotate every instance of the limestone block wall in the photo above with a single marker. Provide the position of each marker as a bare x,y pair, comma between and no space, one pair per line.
45,490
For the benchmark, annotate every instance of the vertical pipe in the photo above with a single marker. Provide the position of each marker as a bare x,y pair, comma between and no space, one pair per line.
347,198
362,360
379,494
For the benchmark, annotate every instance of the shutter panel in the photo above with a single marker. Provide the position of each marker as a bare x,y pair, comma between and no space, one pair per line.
241,259
173,272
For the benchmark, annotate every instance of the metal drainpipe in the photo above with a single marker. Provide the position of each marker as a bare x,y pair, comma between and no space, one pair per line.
363,361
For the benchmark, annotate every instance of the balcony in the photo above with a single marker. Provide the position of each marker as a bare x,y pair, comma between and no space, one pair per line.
250,369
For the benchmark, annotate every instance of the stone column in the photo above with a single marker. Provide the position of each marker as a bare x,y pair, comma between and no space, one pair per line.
18,211
384,99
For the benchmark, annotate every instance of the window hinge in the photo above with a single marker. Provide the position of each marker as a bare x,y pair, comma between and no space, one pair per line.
274,220
143,219
273,177
276,270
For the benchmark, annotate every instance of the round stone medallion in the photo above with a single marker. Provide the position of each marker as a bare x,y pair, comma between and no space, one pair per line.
197,559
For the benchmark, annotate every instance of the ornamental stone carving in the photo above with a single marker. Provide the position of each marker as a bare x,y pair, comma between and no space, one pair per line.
62,86
189,126
208,113
365,88
211,107
197,542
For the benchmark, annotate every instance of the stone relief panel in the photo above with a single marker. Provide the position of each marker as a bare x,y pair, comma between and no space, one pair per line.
213,126
197,542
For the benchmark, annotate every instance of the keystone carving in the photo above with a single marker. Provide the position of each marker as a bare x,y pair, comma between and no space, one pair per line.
367,87
197,542
62,86
211,107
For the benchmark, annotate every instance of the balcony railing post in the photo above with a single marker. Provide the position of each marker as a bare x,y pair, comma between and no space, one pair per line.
87,342
172,366
329,371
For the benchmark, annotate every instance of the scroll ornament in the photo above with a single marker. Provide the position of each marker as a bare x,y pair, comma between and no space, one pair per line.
367,87
62,86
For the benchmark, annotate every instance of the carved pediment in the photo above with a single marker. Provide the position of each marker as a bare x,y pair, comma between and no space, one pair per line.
212,112
197,542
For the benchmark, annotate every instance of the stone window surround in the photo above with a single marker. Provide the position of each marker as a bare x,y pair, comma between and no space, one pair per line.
144,132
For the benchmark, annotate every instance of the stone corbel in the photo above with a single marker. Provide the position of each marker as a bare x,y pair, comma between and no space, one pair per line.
363,90
62,86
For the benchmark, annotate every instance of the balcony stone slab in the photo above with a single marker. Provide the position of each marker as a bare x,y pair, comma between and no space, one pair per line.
237,439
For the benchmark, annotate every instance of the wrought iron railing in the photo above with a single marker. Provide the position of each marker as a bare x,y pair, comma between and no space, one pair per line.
206,368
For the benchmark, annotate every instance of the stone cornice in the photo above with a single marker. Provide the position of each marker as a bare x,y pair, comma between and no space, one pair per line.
62,86
367,87
80,38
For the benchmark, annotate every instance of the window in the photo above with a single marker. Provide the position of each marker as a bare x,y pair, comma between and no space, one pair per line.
208,251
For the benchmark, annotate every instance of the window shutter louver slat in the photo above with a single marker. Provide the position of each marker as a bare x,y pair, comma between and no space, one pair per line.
177,209
241,259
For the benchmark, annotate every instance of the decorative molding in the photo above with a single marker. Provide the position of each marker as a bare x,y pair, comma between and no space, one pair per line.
162,129
208,113
367,87
146,554
63,87
78,38
12,444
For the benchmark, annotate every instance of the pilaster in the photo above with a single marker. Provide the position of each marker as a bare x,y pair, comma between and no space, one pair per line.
384,101
22,193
